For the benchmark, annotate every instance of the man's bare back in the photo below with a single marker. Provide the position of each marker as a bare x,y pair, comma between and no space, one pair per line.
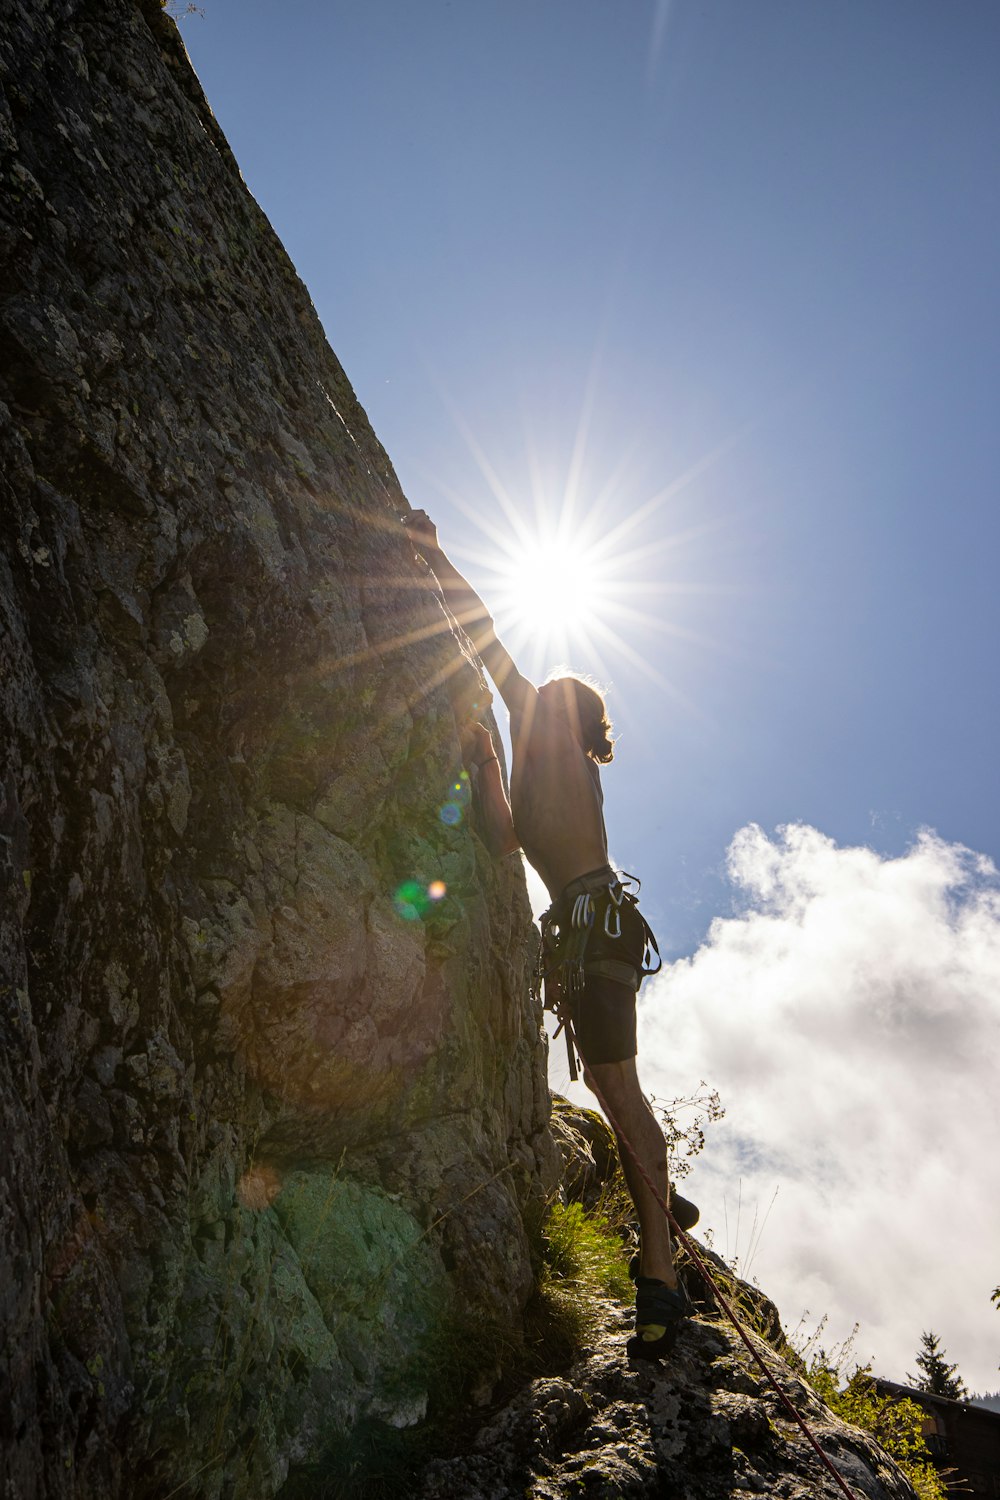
555,792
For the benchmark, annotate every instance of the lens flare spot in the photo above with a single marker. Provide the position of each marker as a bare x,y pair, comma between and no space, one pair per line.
450,814
258,1187
410,900
436,890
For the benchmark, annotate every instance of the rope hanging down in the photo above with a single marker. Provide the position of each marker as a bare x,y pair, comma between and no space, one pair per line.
719,1296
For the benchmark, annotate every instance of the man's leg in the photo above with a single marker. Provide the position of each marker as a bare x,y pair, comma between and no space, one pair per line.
618,1083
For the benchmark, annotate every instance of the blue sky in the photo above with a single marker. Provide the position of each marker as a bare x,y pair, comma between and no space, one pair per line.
740,256
769,229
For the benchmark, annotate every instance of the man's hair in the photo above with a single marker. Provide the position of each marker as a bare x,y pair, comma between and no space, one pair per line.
591,712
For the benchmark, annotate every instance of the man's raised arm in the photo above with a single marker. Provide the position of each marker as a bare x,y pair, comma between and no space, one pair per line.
472,614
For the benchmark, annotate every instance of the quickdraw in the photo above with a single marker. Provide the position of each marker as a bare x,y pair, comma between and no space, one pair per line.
583,911
614,909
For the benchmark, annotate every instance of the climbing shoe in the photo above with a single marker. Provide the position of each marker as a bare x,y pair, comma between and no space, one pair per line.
684,1211
659,1312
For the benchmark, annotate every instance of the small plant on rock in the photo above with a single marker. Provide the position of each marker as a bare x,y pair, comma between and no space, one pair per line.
581,1263
683,1121
583,1250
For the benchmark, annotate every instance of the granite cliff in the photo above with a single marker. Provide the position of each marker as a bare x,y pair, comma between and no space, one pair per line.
273,1108
270,1113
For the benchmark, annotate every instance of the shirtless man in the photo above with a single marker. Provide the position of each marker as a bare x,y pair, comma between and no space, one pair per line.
560,735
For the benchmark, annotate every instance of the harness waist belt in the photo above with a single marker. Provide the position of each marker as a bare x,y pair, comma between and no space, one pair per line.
613,968
587,885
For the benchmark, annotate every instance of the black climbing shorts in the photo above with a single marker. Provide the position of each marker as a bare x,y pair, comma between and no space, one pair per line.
604,1015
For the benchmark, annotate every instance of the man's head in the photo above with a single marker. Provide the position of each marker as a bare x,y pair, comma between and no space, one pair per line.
585,711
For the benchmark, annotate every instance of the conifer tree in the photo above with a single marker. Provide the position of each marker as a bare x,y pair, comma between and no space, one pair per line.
937,1377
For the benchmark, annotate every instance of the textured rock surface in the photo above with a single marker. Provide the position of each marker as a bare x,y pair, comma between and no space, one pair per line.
703,1426
265,1124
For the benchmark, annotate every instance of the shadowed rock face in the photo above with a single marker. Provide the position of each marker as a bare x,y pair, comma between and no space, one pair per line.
268,1123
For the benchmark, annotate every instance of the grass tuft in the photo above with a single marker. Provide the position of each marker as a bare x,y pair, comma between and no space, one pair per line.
583,1253
581,1262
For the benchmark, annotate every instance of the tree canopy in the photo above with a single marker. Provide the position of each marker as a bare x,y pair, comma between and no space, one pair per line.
937,1376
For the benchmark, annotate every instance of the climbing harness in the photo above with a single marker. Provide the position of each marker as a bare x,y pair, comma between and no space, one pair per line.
588,911
706,1276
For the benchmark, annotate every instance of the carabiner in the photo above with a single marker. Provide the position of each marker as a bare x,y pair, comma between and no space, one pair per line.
583,911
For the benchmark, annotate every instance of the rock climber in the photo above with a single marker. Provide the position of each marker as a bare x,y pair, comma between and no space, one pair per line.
595,941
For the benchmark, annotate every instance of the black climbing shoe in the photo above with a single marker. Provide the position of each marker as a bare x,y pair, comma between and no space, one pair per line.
687,1215
684,1211
659,1312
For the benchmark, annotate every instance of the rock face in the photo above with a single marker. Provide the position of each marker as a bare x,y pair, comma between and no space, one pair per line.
703,1426
272,1091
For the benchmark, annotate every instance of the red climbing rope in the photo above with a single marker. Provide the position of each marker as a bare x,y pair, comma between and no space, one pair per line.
719,1296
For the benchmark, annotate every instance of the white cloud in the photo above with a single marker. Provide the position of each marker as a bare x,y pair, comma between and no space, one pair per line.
850,1018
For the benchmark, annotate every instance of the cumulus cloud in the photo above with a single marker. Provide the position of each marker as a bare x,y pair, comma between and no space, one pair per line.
849,1015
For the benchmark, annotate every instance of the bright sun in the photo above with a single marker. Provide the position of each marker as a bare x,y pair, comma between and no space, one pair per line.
587,581
553,588
556,592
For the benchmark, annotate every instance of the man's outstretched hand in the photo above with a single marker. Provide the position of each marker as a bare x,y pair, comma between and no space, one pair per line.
422,531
